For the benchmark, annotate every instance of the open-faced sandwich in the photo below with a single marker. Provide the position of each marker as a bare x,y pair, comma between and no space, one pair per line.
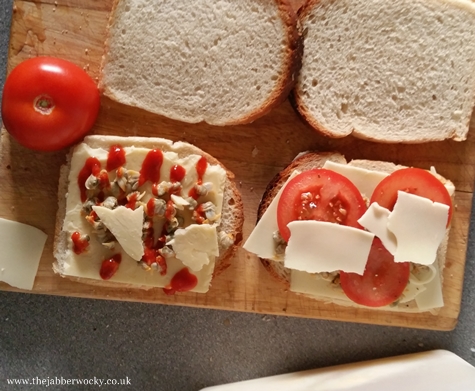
145,212
363,233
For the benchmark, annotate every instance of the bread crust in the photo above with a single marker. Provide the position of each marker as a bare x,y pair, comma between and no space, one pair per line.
100,85
232,199
310,160
289,68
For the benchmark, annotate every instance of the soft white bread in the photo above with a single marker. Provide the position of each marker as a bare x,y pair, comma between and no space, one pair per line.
222,62
388,71
230,223
310,160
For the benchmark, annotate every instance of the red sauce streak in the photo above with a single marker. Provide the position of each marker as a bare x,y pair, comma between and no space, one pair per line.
91,167
100,198
150,207
120,172
182,281
149,256
132,201
148,240
79,245
104,182
109,266
177,173
162,240
150,170
151,253
201,167
155,189
199,215
170,210
162,264
115,158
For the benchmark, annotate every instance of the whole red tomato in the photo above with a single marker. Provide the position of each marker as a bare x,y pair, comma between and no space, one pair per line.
49,103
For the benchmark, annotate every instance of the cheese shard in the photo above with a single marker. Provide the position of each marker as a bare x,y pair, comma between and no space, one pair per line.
126,225
375,220
261,241
432,297
179,202
22,246
318,246
364,180
419,226
314,285
195,245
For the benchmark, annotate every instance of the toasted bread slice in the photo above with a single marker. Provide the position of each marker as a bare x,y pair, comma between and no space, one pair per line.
311,160
226,62
390,72
230,222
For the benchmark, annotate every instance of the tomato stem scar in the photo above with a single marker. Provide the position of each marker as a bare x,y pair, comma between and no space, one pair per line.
43,104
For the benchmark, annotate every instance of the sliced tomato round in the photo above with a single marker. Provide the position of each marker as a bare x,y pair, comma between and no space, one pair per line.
411,180
321,195
382,282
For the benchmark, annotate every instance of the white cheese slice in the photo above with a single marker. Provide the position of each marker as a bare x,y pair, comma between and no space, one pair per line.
432,296
22,246
364,180
375,220
419,226
317,246
195,245
261,241
126,225
422,274
410,292
314,285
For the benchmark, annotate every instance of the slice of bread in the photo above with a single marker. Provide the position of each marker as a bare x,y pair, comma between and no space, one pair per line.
230,223
310,160
222,62
388,71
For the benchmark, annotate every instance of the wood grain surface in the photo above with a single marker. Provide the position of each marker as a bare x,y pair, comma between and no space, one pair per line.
75,30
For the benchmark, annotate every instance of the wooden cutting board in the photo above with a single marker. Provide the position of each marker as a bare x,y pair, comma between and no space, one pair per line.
75,30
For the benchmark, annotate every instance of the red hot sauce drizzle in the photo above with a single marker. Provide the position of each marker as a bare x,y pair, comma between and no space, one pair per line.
151,165
109,266
150,207
91,167
115,158
79,244
151,251
177,173
182,281
104,179
132,201
201,167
